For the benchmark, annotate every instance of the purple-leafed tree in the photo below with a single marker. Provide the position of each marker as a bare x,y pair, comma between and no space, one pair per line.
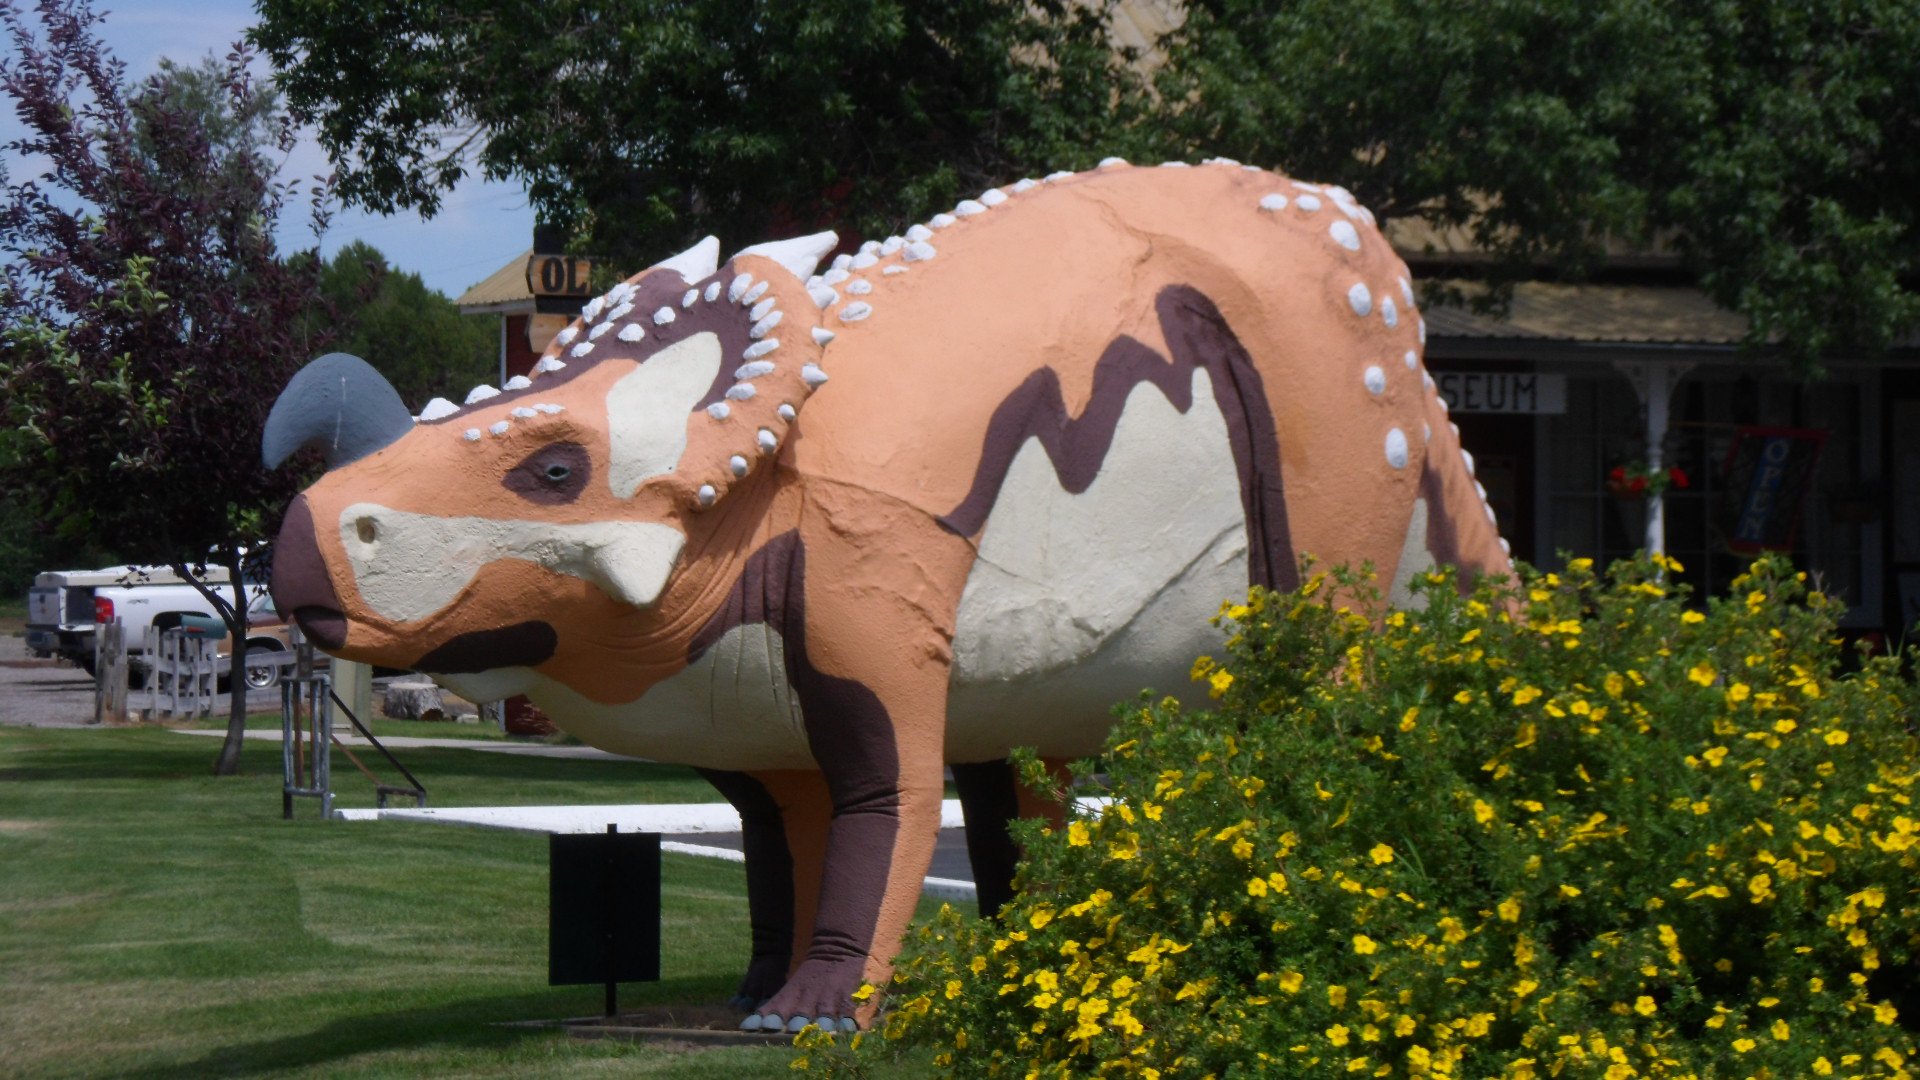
147,320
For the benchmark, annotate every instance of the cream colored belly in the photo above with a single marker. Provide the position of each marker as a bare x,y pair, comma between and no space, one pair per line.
1078,602
732,708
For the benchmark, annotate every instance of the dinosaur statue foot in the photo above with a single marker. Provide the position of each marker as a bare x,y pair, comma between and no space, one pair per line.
765,975
820,992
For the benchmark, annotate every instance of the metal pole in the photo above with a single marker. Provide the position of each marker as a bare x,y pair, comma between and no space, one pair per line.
613,921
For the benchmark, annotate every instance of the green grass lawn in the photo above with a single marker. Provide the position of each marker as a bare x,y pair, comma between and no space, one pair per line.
156,921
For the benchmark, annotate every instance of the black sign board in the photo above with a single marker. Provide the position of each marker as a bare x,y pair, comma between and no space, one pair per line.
1768,472
604,909
559,283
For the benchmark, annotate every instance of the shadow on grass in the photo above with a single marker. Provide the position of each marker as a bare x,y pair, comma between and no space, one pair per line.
472,1026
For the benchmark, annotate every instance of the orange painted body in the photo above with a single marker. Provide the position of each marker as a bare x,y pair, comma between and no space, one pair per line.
835,572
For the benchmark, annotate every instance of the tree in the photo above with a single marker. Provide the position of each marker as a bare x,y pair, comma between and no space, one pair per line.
411,334
641,124
1771,144
148,320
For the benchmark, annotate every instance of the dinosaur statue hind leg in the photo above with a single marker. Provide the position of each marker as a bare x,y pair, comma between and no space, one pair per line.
783,820
991,796
990,801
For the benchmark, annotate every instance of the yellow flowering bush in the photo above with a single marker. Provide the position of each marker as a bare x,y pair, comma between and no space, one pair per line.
1566,827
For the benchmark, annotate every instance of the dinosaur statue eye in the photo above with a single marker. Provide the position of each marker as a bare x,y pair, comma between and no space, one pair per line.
556,473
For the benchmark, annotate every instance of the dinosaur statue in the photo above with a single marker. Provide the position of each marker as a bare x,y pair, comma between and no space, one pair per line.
822,535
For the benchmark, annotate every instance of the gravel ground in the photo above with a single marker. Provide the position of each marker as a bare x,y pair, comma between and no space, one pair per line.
50,693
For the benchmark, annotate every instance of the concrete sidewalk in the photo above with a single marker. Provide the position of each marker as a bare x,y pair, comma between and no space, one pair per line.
707,830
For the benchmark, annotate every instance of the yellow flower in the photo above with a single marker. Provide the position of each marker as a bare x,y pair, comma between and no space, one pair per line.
1464,697
1569,891
1780,1030
953,989
1290,981
1219,681
1525,987
1256,886
1077,834
1741,1046
1526,694
1337,996
1692,617
1337,1034
1509,910
1381,854
1702,673
1409,718
1836,738
866,991
1040,918
1644,1005
1739,692
1885,1013
1482,812
1364,945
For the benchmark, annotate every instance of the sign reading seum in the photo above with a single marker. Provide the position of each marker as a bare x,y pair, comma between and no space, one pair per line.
1502,391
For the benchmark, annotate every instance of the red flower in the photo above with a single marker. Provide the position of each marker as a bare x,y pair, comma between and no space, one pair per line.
1618,475
1637,485
1678,475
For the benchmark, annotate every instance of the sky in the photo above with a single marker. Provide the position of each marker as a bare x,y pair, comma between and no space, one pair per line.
481,225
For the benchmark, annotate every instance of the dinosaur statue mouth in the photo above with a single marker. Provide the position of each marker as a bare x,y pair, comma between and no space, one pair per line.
520,645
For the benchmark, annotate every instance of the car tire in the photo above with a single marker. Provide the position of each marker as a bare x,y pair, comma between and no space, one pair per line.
263,678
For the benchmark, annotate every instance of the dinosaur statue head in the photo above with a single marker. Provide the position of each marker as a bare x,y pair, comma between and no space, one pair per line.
458,540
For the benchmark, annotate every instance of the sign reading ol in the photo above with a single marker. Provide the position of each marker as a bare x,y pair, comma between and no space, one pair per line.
1502,391
558,275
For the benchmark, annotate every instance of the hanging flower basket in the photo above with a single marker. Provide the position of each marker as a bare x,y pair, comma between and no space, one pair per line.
1636,481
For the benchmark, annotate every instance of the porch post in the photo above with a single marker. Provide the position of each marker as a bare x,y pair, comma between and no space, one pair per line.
1653,381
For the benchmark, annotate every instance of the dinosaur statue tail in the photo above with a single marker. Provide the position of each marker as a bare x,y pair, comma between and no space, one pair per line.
1452,512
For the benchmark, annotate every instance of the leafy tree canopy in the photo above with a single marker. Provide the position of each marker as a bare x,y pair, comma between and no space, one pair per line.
642,124
1772,145
412,334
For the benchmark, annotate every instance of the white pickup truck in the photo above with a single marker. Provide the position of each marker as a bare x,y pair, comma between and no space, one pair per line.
65,606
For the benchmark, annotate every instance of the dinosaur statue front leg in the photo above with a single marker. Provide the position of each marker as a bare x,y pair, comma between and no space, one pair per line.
885,795
871,672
